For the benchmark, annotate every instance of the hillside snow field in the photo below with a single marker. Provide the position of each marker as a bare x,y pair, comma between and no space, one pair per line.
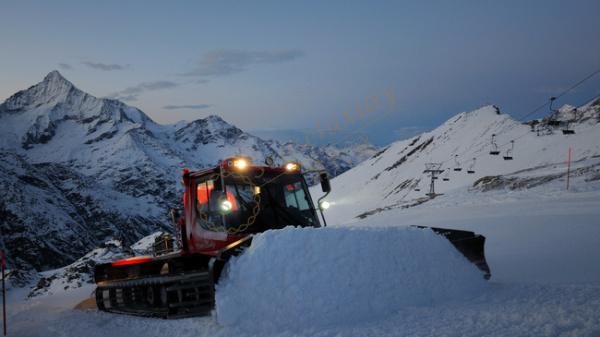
395,178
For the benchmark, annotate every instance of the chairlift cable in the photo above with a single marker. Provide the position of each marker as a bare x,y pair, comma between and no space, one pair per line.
561,94
478,153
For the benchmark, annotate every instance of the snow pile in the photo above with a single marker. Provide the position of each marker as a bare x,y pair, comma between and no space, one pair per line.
145,244
294,278
80,272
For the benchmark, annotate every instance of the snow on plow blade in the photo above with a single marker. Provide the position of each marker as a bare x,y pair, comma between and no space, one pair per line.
471,245
293,278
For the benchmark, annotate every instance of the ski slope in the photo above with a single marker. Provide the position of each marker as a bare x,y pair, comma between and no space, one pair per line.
394,178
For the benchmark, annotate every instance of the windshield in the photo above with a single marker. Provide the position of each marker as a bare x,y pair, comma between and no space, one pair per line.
258,203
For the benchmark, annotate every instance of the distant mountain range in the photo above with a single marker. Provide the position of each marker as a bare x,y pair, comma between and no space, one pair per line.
77,170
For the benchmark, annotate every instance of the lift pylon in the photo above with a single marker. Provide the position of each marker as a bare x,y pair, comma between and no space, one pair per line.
434,170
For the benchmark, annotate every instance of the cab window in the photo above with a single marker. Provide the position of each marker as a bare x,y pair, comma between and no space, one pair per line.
295,196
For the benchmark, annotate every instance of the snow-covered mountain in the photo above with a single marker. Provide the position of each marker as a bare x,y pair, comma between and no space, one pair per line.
334,159
78,170
51,213
394,178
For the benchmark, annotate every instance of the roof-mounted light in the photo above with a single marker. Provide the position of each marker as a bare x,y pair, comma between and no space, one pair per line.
240,163
237,163
292,167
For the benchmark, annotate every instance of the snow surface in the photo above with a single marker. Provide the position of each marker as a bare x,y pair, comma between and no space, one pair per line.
545,279
294,278
145,244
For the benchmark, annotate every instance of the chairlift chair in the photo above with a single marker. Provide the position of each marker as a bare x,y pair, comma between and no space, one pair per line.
446,176
509,151
567,131
551,120
494,151
533,125
471,168
457,168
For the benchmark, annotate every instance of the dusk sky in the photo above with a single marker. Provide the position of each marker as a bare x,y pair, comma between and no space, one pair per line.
384,69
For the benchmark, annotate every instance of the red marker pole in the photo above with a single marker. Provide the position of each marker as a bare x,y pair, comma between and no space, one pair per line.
569,168
3,295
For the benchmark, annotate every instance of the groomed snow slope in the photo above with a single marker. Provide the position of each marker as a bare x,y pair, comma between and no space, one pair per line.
294,278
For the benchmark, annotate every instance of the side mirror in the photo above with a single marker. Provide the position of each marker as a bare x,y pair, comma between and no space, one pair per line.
325,185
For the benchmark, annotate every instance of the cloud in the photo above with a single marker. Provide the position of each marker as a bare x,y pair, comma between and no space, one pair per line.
227,62
148,86
65,66
132,93
105,66
126,98
189,106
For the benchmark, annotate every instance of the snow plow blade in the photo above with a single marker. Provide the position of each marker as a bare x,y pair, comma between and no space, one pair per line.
471,245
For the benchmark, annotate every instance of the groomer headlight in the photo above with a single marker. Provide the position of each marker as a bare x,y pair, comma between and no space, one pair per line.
237,163
226,206
292,167
240,163
324,205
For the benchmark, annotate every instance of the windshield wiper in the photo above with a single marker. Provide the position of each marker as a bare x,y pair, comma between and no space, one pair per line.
242,200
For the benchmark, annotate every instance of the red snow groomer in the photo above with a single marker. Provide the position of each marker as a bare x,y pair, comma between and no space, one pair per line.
222,208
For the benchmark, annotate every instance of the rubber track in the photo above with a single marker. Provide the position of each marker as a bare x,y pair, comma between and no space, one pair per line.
169,296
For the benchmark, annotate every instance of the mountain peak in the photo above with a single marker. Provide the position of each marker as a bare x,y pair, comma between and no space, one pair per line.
53,76
56,81
214,118
53,89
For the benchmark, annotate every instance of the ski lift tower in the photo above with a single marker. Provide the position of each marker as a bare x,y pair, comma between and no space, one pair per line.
433,169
